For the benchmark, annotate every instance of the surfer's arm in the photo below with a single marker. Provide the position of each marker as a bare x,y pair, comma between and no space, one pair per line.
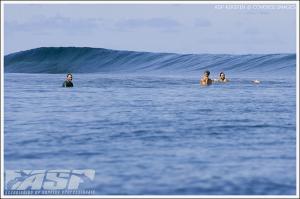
204,81
64,84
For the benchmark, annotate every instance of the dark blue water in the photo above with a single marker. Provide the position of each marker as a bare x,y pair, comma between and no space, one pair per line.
91,60
156,134
145,125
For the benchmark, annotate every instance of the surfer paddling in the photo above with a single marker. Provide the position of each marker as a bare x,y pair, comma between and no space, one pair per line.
68,82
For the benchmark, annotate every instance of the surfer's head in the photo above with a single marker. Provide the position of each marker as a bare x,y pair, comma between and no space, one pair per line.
206,73
222,75
69,77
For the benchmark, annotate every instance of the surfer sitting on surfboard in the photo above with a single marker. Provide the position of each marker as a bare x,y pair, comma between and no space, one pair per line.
205,79
68,82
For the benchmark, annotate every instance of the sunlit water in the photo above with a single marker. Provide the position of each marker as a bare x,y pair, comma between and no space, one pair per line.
155,134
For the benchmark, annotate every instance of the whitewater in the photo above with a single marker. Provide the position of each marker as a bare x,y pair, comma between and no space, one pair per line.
145,125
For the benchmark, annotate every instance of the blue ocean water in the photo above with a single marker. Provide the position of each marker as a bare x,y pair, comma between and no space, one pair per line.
158,133
90,60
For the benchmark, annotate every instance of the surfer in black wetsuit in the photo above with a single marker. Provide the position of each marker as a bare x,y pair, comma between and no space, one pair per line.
68,82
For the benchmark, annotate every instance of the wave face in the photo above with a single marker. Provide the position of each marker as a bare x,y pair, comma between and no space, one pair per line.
91,60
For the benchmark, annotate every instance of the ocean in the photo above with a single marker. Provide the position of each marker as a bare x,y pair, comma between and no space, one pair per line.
147,127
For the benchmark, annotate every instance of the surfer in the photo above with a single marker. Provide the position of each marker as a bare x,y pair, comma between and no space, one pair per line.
68,82
222,77
205,79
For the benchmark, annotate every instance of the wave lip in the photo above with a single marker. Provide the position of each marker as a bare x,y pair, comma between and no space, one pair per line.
93,60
